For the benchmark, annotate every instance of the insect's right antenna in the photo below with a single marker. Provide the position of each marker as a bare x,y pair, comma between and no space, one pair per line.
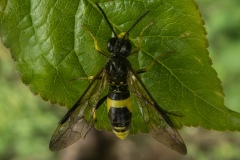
105,16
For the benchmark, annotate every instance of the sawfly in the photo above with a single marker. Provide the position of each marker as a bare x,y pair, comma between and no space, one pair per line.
123,84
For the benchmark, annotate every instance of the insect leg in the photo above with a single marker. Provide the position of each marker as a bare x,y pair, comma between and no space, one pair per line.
71,110
135,50
96,43
141,33
99,103
86,78
143,70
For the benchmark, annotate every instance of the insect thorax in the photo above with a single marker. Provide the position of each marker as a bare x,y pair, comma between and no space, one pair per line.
117,68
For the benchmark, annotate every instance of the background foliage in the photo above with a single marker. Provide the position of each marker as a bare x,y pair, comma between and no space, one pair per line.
27,122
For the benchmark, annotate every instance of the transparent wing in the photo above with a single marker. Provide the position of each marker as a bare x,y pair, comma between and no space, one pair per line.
74,128
74,125
160,126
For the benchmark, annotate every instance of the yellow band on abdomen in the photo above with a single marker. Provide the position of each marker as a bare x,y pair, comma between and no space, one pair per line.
119,103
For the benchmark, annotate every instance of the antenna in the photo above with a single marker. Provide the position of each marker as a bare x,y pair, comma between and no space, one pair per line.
136,22
105,16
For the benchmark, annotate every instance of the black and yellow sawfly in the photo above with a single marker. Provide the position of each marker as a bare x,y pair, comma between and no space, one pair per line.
123,84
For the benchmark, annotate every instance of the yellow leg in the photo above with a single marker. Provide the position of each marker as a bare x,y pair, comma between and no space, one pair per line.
96,42
135,50
85,78
143,70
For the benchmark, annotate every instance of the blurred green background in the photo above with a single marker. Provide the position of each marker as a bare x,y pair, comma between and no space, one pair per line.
27,122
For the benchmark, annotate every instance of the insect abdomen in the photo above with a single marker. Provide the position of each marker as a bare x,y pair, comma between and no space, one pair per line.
120,115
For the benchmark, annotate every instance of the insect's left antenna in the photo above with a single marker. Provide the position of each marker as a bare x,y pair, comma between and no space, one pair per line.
136,22
105,16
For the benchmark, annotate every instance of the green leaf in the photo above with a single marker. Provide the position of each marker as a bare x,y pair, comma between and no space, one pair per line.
51,44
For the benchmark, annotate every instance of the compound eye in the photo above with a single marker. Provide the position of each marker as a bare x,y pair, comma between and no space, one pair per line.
126,48
111,44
